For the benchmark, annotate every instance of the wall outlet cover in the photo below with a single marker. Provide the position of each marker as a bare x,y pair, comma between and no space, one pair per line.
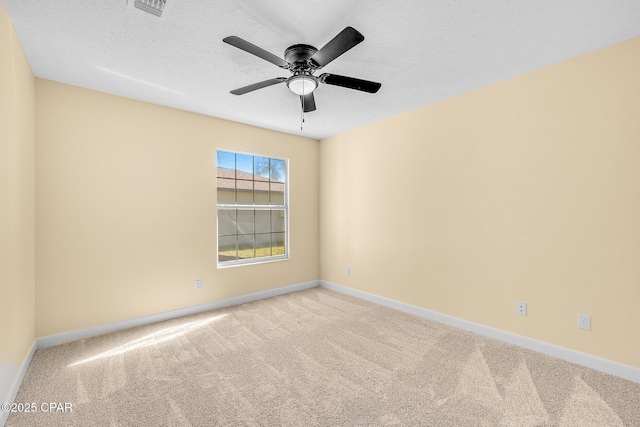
584,322
521,308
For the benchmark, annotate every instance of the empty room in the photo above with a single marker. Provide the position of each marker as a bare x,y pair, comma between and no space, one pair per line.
223,213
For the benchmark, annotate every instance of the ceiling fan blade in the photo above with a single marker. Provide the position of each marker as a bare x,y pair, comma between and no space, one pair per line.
345,40
255,50
308,102
350,82
259,85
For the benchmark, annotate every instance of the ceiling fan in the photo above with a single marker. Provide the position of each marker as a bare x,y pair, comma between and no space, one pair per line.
302,60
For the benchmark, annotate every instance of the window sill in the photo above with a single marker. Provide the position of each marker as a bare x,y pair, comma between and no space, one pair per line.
254,261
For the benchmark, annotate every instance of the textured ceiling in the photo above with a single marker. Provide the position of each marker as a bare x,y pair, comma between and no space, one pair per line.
421,51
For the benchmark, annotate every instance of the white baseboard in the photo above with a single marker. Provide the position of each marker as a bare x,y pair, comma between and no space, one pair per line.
13,374
51,340
620,370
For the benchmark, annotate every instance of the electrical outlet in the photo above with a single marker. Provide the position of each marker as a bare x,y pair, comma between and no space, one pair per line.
521,308
348,271
584,322
198,284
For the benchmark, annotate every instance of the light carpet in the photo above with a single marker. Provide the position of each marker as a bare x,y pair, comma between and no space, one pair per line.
314,358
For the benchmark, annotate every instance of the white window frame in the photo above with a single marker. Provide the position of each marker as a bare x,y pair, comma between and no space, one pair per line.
254,207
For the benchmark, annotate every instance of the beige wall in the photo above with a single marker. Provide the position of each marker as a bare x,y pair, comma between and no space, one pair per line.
126,208
529,189
17,283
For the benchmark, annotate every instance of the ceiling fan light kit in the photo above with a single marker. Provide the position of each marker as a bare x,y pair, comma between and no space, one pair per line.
302,84
302,61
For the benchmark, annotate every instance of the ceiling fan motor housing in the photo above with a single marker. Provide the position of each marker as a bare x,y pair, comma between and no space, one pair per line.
299,54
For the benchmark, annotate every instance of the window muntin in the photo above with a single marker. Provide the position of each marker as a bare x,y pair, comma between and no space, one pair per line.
252,208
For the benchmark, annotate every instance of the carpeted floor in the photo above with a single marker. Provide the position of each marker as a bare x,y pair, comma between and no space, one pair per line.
314,358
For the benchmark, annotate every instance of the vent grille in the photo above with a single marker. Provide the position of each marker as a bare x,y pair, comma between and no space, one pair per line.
152,6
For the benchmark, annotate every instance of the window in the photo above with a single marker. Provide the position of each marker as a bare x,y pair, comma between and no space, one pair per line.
253,215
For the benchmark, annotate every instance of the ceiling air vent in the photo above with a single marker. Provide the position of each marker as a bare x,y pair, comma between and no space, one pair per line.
152,6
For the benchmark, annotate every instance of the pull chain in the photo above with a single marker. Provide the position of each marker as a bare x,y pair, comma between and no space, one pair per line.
302,107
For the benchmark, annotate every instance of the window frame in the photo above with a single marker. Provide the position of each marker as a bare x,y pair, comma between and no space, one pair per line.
254,207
